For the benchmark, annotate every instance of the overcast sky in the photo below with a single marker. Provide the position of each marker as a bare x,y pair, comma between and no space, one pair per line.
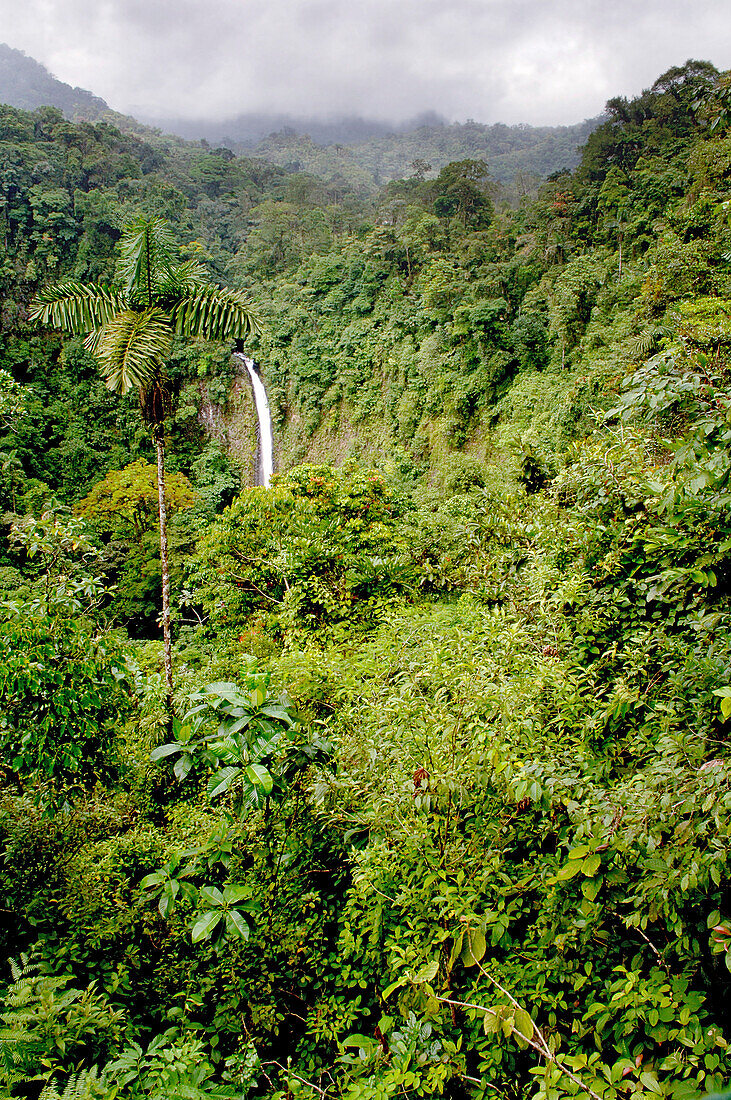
537,61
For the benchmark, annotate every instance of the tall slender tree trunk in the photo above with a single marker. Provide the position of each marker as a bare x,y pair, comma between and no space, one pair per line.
166,642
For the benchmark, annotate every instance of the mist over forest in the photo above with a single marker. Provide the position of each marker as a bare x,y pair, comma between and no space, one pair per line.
381,149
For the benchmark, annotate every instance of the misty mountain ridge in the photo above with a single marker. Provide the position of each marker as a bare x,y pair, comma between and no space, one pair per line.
246,130
27,84
364,150
509,151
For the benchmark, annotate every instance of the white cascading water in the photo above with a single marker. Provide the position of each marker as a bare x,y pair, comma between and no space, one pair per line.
266,463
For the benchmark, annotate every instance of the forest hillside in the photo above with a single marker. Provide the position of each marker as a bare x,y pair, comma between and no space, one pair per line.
440,805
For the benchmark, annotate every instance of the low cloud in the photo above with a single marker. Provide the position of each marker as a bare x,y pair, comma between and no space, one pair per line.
537,61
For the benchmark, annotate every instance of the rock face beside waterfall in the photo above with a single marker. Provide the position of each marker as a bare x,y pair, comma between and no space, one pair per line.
234,424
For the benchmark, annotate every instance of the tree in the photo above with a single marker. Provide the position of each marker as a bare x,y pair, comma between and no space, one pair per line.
460,191
130,327
319,547
123,509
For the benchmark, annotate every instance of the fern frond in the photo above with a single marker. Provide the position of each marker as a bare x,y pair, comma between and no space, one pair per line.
23,969
19,1044
214,314
132,348
84,1085
76,308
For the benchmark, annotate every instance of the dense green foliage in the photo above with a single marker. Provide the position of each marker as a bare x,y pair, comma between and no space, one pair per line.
447,811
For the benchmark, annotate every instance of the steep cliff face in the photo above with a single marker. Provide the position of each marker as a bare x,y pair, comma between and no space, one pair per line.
337,439
233,424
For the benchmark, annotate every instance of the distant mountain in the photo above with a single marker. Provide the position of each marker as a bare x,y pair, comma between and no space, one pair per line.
510,151
246,130
369,148
27,84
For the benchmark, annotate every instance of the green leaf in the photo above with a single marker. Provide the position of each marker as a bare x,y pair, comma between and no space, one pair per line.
222,780
76,308
492,1021
362,1042
166,903
427,973
259,775
132,347
205,925
214,314
147,252
475,946
238,725
569,870
236,925
456,948
225,690
278,712
155,879
165,750
212,895
232,894
392,987
591,865
182,767
590,888
523,1024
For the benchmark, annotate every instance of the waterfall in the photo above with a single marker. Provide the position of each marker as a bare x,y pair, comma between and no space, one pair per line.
265,464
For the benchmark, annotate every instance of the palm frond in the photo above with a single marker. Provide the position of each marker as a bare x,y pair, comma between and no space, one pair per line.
92,341
189,275
146,258
132,348
214,314
646,341
76,308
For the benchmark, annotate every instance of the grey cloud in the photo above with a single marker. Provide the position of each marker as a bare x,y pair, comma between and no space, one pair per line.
508,60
